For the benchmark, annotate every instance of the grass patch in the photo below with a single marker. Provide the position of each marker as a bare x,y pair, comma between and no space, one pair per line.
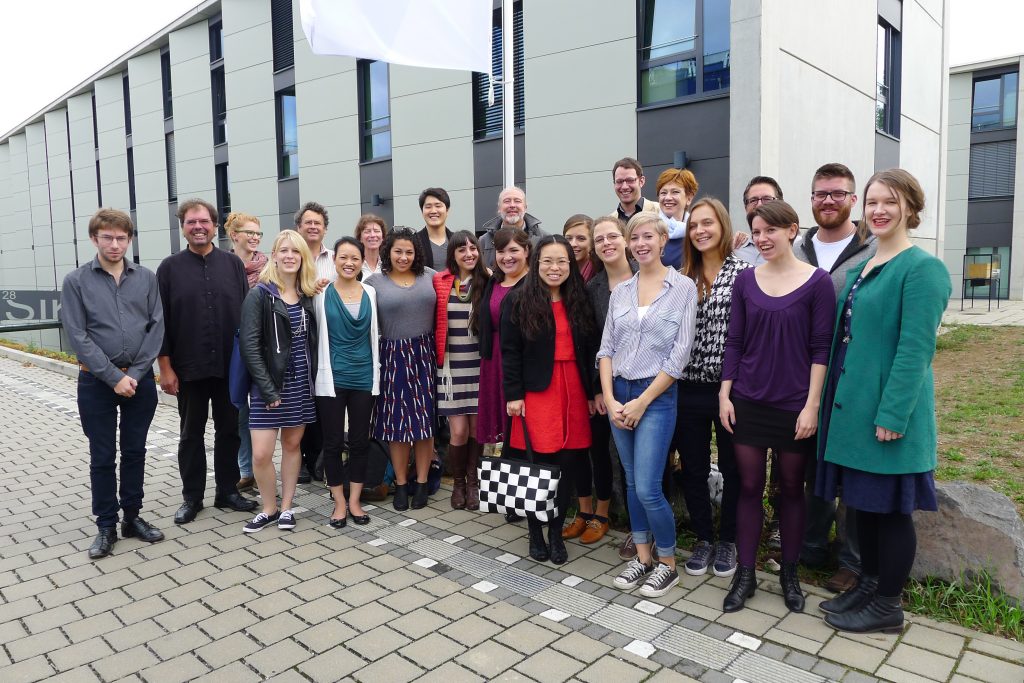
971,602
33,348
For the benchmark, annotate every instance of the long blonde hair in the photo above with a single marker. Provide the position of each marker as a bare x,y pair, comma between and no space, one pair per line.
306,281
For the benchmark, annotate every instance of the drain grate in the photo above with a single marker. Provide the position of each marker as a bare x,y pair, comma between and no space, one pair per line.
521,582
568,600
699,648
630,622
435,549
751,666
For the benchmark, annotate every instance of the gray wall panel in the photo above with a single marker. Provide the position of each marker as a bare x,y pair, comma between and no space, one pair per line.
113,150
193,112
83,170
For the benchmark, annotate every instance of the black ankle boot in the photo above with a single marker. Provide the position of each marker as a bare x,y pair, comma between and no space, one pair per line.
559,555
880,614
419,498
538,548
744,584
853,599
401,501
791,593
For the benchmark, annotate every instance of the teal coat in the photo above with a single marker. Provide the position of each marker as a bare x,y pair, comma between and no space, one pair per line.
886,379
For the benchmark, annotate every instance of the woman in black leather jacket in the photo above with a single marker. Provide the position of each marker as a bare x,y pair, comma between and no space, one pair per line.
278,342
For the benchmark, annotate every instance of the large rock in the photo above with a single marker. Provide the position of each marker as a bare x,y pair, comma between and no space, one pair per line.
974,529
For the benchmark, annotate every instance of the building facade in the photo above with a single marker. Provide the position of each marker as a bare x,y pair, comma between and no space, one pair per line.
984,246
228,103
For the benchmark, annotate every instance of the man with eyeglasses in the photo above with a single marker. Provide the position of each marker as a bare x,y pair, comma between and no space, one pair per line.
111,313
760,190
628,180
202,289
836,244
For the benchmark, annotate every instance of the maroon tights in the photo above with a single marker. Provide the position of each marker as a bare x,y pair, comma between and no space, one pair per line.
752,461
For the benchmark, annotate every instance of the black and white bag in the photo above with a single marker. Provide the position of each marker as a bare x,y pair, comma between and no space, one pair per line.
520,486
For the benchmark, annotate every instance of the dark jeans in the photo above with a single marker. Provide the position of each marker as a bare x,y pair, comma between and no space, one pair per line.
312,445
594,471
98,407
697,415
820,515
194,400
358,404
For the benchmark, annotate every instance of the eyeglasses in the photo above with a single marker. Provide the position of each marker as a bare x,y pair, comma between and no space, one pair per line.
836,195
254,234
113,239
610,237
754,201
627,181
547,262
204,222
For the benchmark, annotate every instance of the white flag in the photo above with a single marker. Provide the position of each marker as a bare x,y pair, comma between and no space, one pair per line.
442,34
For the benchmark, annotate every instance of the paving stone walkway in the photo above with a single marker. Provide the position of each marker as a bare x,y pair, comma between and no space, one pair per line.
433,594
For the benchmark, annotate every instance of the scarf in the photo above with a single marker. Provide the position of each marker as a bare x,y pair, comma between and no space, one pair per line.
676,229
254,266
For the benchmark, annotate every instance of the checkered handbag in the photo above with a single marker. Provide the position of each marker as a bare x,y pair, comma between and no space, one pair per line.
520,486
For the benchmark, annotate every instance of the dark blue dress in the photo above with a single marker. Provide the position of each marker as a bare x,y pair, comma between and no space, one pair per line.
867,491
297,406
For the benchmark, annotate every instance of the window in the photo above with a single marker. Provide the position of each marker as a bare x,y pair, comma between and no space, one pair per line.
281,29
684,50
991,171
487,120
127,104
165,82
172,170
287,135
220,172
995,102
887,77
374,110
999,258
131,179
216,41
220,105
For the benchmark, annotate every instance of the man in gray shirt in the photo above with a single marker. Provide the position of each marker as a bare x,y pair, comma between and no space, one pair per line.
111,312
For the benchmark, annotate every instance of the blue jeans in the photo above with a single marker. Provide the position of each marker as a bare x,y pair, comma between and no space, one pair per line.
245,447
98,406
643,452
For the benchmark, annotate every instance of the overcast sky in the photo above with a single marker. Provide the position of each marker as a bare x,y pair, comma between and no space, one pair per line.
49,46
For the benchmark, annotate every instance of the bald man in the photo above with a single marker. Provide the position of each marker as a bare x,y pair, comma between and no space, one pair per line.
511,214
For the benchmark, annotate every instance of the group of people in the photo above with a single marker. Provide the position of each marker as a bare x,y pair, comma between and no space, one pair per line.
652,327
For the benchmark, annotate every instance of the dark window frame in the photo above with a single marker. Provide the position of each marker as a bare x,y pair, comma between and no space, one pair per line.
284,171
888,92
219,102
366,132
695,53
126,96
487,120
975,128
216,40
170,159
165,83
223,191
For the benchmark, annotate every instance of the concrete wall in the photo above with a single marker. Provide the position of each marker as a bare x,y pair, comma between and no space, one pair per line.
58,167
193,112
957,176
112,146
83,171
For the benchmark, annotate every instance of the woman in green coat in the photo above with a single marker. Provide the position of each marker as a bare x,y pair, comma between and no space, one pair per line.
877,436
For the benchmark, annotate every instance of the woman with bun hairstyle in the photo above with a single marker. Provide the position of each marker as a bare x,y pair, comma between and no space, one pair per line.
348,377
278,342
547,333
460,289
878,435
676,189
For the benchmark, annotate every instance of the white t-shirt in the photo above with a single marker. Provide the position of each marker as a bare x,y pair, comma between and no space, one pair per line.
641,311
828,252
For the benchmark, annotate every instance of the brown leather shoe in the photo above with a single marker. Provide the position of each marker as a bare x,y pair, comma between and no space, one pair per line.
627,551
842,581
245,484
596,530
575,529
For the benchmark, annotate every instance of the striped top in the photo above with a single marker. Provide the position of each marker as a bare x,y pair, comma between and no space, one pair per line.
459,378
324,263
297,406
660,342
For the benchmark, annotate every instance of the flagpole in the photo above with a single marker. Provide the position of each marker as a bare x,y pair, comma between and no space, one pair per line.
508,90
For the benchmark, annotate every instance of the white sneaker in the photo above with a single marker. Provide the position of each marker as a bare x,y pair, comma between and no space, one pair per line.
633,574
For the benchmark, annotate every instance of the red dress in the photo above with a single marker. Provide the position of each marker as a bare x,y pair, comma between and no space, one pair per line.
558,417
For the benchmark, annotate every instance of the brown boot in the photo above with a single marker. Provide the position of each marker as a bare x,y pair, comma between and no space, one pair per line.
472,482
457,466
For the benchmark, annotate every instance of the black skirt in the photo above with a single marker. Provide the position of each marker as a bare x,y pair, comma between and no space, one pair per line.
763,426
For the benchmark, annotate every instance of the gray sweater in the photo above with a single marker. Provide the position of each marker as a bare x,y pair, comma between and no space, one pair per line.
405,313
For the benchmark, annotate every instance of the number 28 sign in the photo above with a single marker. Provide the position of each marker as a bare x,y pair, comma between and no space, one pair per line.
24,305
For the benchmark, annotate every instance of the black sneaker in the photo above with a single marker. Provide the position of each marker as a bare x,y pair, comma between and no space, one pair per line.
634,573
259,521
699,560
661,581
286,521
725,559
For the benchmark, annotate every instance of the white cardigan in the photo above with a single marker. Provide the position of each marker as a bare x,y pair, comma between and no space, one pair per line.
324,385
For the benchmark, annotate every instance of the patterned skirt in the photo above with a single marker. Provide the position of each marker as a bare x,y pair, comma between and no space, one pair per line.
404,411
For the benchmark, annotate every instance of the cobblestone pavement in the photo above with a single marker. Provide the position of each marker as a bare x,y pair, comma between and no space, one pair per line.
433,594
1007,313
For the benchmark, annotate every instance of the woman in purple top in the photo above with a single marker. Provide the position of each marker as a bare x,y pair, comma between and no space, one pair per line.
776,353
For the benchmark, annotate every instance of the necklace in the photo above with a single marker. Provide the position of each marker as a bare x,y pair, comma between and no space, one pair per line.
402,283
462,290
350,297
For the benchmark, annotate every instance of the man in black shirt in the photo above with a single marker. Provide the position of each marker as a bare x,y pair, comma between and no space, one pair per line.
202,289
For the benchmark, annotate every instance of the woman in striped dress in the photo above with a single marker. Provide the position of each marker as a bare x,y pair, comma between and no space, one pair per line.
459,291
278,341
404,412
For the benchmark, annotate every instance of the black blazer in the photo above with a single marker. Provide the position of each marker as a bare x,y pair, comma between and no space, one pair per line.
265,340
484,315
527,364
428,255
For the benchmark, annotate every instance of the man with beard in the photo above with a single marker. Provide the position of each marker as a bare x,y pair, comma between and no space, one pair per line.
202,289
836,244
511,214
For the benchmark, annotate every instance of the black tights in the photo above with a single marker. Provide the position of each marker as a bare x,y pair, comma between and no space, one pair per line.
888,544
566,460
752,463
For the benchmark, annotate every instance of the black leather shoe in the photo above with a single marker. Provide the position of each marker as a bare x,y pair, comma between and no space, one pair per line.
236,502
512,518
304,476
791,593
339,523
556,547
188,511
361,520
401,501
853,599
881,614
538,548
141,529
104,543
419,498
744,584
